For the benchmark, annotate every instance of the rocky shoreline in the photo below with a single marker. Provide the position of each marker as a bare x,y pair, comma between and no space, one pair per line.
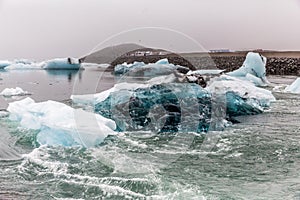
278,62
275,66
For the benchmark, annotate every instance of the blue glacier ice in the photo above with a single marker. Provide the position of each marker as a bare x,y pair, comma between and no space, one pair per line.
253,69
59,124
170,108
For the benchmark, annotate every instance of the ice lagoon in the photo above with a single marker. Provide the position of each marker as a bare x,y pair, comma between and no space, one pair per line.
257,157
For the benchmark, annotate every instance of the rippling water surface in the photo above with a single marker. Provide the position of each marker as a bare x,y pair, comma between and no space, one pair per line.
258,158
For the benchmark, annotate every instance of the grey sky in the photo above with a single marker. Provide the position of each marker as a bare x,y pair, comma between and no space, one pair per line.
40,29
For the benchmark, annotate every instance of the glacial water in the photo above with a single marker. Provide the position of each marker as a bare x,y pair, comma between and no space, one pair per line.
258,158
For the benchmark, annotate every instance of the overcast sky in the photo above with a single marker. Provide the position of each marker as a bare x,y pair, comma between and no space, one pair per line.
41,29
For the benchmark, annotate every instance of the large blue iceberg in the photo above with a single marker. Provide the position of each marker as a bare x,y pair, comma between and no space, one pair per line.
171,108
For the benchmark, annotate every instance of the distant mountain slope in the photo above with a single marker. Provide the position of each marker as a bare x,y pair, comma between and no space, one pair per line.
109,54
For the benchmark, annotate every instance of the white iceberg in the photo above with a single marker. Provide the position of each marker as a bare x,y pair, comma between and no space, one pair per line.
294,87
9,92
25,66
160,68
205,72
59,124
63,63
125,67
22,64
4,63
253,69
244,88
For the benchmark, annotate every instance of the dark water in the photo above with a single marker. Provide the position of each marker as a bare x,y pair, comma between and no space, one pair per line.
256,159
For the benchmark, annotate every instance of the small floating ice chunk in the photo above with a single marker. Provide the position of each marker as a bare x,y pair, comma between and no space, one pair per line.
9,92
59,124
100,66
63,63
206,72
163,61
4,63
294,87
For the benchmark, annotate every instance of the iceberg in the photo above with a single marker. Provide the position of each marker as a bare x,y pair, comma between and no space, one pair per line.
93,99
24,66
9,92
182,107
59,124
244,89
58,63
253,69
205,72
167,103
294,87
131,108
124,68
62,63
160,68
4,63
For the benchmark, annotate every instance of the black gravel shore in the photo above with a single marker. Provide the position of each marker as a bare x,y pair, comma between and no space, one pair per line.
275,66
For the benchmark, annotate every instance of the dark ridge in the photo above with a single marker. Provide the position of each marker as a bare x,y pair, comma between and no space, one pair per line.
109,54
